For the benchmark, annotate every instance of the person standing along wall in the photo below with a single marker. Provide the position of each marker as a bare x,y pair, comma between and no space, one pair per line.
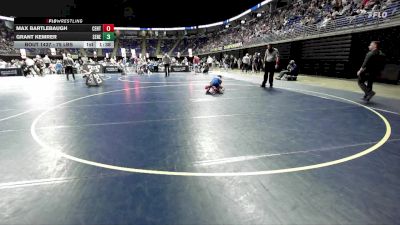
196,63
246,62
209,62
239,62
258,62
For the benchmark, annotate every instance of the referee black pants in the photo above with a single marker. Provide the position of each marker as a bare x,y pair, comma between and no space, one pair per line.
69,70
369,78
269,73
166,66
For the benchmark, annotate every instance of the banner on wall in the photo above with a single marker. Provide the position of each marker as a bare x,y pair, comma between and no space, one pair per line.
217,49
236,45
179,68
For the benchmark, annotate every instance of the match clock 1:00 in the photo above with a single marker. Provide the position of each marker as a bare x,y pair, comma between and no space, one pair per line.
103,44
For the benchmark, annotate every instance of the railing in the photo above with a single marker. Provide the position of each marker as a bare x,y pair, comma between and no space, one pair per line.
341,23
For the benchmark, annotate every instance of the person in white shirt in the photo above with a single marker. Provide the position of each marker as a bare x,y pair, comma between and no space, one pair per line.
246,62
2,64
209,61
30,66
46,61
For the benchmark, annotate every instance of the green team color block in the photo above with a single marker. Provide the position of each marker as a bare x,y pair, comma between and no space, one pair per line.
108,36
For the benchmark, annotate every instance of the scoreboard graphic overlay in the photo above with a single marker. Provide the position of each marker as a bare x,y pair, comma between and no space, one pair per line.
62,33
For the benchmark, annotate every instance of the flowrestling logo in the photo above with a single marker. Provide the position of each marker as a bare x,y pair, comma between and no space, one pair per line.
72,21
380,15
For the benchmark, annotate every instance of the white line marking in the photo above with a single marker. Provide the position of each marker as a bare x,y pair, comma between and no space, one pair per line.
15,130
30,110
364,152
253,157
172,82
5,110
384,110
177,118
30,183
16,115
51,181
146,121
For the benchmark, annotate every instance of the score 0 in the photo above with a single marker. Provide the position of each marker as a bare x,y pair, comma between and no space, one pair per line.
108,27
108,32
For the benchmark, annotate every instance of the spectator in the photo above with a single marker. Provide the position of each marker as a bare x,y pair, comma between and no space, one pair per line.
46,61
3,64
246,62
209,61
290,73
239,62
284,21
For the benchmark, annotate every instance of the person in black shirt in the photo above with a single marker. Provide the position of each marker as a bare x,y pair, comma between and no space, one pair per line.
373,65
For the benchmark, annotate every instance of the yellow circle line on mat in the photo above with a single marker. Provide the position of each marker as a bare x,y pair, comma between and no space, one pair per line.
216,174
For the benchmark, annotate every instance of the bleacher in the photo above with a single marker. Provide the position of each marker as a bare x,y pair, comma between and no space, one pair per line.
151,46
326,56
166,45
131,44
181,46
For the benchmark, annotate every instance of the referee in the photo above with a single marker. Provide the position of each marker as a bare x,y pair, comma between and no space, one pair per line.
271,60
166,61
373,65
69,63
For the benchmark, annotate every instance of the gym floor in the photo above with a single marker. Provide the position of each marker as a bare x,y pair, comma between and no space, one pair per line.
156,150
